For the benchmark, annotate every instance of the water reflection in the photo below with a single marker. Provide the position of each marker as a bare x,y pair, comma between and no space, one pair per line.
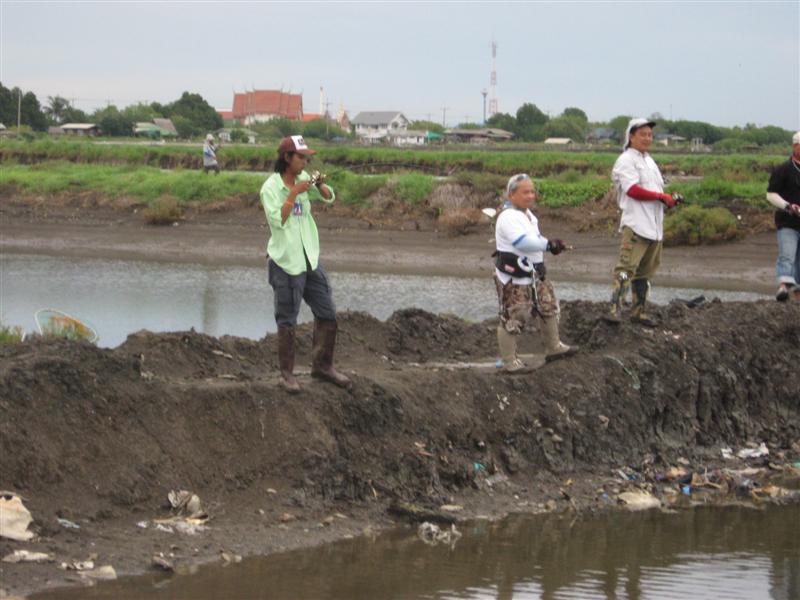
120,297
719,553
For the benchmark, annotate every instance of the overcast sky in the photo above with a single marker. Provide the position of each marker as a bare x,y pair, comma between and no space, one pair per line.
727,63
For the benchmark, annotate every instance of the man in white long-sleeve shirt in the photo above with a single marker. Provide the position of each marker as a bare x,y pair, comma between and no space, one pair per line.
640,192
784,194
519,270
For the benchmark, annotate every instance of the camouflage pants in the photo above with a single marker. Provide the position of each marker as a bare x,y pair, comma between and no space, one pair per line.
519,306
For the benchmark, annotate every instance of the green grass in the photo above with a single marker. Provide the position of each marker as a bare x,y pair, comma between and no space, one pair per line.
717,189
149,184
355,189
144,183
499,160
412,188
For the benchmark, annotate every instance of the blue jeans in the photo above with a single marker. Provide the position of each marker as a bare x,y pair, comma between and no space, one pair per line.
788,265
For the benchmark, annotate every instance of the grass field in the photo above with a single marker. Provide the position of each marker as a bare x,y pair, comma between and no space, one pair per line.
434,161
568,188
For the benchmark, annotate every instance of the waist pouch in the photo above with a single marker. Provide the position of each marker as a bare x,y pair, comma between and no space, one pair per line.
514,264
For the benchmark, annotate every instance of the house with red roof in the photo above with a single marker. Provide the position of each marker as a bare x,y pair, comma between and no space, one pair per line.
258,106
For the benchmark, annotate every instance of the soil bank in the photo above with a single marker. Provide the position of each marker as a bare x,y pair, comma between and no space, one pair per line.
100,436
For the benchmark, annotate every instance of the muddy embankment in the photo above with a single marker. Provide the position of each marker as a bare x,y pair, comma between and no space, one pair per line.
99,436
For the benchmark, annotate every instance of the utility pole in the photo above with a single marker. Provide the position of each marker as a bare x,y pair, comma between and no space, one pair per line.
444,116
484,92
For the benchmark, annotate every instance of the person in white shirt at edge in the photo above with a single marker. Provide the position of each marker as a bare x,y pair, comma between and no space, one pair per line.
210,156
523,291
641,197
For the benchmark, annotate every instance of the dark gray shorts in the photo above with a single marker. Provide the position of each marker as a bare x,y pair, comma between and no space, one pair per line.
289,290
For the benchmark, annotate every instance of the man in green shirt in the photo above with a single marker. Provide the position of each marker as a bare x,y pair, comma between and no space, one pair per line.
294,270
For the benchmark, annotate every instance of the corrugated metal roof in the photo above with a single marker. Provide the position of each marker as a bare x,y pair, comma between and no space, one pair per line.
376,117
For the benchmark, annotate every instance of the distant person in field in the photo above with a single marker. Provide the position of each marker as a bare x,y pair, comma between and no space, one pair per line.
210,155
783,193
523,290
640,193
295,272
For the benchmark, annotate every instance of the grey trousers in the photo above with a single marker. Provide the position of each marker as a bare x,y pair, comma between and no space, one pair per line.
289,290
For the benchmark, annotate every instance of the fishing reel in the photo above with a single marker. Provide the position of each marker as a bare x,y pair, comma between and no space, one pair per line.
317,178
679,198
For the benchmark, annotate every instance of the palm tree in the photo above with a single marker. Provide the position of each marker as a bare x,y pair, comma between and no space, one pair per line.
56,108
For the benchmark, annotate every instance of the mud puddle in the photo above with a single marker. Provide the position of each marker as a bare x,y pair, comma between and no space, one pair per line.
732,553
119,297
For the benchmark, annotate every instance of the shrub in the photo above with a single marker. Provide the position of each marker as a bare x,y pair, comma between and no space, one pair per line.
413,187
163,211
10,334
694,225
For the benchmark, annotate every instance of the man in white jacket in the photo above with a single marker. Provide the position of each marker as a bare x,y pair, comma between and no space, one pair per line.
784,194
640,189
523,291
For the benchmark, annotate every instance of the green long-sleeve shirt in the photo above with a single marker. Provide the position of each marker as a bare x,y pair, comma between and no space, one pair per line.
292,241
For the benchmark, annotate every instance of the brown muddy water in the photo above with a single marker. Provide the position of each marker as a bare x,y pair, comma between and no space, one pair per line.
120,297
703,553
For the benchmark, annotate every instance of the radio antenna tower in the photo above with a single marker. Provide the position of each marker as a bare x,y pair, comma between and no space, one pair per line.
493,83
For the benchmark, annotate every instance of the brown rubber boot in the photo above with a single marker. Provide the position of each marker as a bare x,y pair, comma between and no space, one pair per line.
322,354
286,359
507,344
553,346
641,289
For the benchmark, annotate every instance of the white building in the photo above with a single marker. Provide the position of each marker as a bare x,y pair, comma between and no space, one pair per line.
376,126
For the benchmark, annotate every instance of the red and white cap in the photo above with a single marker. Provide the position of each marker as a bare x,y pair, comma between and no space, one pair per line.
295,143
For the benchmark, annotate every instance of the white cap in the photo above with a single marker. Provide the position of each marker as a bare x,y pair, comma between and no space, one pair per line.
209,138
633,125
796,138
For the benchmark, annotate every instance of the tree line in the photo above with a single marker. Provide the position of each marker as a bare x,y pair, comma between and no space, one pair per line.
531,124
191,114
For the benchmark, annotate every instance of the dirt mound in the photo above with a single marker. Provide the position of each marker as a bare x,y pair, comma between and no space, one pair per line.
100,431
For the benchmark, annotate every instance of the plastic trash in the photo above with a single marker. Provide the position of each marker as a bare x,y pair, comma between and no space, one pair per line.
638,500
14,518
686,490
478,467
26,556
67,523
186,503
762,450
432,534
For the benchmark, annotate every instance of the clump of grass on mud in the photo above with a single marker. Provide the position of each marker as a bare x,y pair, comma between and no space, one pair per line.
412,188
355,189
163,211
11,334
694,225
